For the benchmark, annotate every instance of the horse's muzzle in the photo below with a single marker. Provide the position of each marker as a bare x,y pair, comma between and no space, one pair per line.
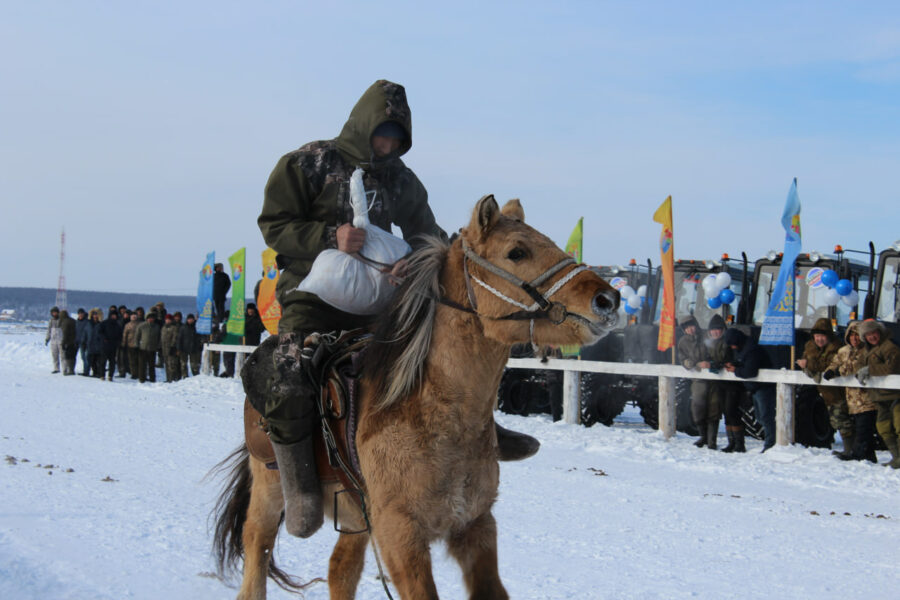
605,302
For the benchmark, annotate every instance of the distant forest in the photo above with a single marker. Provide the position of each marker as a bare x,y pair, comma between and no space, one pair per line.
35,303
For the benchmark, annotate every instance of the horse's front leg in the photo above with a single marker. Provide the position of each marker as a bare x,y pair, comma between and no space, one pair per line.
260,530
406,554
475,549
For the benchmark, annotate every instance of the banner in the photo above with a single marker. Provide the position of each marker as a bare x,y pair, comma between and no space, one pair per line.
778,325
663,216
573,249
238,307
268,307
205,296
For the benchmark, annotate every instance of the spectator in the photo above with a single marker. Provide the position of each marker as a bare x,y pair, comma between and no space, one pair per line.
883,358
54,339
81,330
67,342
168,341
122,353
215,337
129,342
727,395
95,343
253,326
694,355
140,313
228,358
190,347
221,285
111,334
817,355
148,342
847,362
748,359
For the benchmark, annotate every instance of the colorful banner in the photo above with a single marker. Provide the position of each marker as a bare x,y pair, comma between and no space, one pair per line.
238,307
778,325
573,247
663,216
205,296
268,307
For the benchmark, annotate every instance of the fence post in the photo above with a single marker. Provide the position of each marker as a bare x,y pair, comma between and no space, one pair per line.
784,414
239,363
667,406
572,397
206,368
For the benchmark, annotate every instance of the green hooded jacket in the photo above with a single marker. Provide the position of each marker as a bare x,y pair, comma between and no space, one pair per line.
307,198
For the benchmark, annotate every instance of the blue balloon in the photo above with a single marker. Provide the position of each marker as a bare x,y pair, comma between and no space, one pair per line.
714,302
629,310
726,296
843,287
829,277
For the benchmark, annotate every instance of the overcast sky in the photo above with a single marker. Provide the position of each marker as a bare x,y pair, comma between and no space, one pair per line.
148,129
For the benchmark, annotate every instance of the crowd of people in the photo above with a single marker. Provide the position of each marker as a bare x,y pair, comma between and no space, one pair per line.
856,413
134,343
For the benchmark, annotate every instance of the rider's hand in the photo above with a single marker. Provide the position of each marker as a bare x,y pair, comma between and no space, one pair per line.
350,239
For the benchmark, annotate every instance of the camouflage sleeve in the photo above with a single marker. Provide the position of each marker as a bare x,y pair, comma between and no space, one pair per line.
284,220
885,362
414,215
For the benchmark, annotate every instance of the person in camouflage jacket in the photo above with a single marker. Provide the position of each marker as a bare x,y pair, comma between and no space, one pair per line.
882,358
694,355
846,362
168,343
817,355
148,340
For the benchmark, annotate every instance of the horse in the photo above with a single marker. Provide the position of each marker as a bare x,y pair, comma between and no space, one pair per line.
426,440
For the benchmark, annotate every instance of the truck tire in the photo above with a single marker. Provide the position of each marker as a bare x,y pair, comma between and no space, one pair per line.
600,401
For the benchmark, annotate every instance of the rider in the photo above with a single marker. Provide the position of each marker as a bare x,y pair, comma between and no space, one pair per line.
307,210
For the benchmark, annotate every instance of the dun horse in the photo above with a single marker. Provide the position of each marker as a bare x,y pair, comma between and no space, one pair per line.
426,440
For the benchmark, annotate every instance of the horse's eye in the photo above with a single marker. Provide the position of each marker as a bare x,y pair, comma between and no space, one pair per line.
516,254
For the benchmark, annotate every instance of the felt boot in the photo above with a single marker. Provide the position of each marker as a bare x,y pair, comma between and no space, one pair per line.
701,427
891,443
848,447
303,513
729,432
739,439
712,434
512,445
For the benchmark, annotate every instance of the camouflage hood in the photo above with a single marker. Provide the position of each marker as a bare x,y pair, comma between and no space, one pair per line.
383,101
852,327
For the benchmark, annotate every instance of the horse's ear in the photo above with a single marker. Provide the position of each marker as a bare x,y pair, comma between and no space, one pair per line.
485,216
513,210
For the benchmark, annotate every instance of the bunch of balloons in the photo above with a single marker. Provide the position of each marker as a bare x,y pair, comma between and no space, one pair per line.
839,290
632,299
717,290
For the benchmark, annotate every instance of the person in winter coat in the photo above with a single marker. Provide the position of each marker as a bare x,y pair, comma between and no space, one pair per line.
122,353
253,326
168,341
727,395
817,355
129,342
306,209
81,329
694,355
882,358
95,343
846,362
147,338
190,346
221,285
111,335
67,342
54,339
748,359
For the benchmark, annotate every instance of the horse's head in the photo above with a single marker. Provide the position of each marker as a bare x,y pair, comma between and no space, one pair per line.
524,287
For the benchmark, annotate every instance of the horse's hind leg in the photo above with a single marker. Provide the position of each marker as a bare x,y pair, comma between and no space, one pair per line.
475,549
260,530
346,565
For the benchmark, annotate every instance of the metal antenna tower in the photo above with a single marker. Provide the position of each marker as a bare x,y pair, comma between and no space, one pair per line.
61,300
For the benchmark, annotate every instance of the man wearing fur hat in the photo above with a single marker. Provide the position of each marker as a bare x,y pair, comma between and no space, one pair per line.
847,362
883,358
694,355
306,210
817,356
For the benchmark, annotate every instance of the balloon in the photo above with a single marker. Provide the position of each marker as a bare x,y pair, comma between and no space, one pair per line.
726,296
832,297
829,277
714,302
709,285
629,309
843,287
635,301
642,291
626,292
723,280
851,299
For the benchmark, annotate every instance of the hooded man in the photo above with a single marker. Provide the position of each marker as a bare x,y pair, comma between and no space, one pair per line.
883,358
694,355
54,338
748,359
307,210
817,356
725,396
67,342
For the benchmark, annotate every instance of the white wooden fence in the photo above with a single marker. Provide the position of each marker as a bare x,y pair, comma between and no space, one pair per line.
785,381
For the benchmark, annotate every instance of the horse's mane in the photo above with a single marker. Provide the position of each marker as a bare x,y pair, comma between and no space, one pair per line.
396,358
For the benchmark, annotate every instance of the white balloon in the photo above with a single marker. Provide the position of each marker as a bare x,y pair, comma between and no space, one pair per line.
634,301
626,292
723,280
832,297
851,299
642,291
709,285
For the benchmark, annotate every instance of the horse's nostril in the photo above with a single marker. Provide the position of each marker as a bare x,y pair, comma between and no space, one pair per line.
605,302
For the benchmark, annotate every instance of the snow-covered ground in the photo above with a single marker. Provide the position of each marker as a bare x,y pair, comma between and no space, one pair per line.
102,495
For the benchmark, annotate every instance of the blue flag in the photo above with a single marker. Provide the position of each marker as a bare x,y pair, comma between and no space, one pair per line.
778,325
204,296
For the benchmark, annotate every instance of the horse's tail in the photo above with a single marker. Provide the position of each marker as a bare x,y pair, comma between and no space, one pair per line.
230,514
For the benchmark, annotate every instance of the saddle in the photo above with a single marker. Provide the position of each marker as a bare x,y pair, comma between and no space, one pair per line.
332,364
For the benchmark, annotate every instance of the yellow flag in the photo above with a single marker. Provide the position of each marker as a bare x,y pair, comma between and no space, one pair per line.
573,247
663,216
268,306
